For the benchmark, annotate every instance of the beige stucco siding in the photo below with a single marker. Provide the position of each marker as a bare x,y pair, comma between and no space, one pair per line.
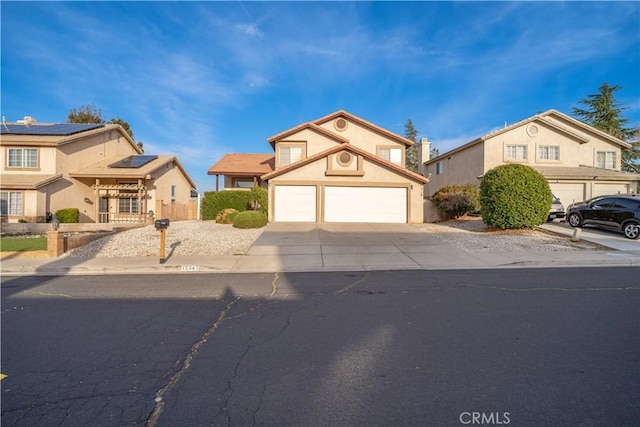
463,167
375,176
362,137
85,152
46,161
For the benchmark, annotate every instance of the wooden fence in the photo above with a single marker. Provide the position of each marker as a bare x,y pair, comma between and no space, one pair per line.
177,211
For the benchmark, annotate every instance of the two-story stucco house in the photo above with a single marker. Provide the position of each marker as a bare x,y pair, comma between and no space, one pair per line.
578,160
96,168
338,168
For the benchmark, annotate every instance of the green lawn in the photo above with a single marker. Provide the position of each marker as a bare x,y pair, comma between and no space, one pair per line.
13,244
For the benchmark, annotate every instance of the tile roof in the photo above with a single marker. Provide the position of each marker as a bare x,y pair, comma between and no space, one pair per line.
585,172
243,164
25,181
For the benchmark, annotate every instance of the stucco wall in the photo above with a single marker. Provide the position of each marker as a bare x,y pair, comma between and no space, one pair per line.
463,167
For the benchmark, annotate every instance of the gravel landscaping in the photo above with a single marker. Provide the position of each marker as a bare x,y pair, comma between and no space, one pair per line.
188,238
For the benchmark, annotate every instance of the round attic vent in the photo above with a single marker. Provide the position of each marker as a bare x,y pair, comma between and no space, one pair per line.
340,124
532,130
345,158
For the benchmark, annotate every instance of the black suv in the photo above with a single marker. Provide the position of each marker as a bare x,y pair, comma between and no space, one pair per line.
619,212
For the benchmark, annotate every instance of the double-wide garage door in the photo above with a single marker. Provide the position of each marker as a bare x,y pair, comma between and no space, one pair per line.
341,204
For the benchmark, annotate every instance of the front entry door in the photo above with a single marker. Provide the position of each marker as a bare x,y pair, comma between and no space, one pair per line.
103,210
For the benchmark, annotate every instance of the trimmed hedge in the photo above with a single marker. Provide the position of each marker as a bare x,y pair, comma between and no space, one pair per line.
226,216
250,219
215,201
68,215
514,196
454,201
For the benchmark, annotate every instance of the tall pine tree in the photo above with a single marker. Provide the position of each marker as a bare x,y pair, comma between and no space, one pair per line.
411,154
603,111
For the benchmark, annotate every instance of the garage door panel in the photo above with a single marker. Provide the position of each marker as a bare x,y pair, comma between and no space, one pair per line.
568,193
609,189
295,203
365,204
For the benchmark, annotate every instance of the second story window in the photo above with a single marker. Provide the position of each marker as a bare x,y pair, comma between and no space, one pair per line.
439,168
290,155
516,152
606,159
549,152
22,158
393,155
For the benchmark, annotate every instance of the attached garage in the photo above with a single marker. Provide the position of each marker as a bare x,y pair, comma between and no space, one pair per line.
568,192
295,203
365,204
607,189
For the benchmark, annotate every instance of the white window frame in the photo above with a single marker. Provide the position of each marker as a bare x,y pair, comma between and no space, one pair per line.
23,158
11,203
290,154
391,154
606,159
131,205
549,152
516,152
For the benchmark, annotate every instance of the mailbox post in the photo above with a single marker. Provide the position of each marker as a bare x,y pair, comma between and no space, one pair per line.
162,225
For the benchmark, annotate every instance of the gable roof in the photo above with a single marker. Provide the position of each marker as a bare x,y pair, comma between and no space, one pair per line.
542,118
101,169
315,125
348,147
362,122
243,164
308,125
58,134
27,181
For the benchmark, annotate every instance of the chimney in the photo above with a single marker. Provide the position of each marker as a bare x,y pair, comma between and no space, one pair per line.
424,153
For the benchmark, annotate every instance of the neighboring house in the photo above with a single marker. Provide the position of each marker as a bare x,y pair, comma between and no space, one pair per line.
96,168
578,160
338,168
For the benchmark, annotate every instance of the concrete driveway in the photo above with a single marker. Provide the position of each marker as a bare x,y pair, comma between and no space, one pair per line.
299,246
610,239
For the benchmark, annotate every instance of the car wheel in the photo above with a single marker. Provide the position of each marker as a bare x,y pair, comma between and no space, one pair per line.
631,230
574,220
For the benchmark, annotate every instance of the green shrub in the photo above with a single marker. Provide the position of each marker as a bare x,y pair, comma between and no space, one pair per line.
215,201
260,197
226,216
250,219
68,215
454,201
514,196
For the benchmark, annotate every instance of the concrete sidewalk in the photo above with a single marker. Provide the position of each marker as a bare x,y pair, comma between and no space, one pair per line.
337,247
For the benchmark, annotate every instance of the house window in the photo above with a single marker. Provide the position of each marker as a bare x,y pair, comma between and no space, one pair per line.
606,159
128,205
22,158
439,168
289,155
243,183
11,203
549,152
516,152
393,155
173,194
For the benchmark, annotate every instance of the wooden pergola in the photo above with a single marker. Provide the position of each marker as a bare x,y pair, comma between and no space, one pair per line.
120,191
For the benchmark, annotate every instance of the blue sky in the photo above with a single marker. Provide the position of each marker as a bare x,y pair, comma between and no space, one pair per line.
201,79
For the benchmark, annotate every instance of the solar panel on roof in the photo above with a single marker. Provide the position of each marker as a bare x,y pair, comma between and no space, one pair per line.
133,161
58,129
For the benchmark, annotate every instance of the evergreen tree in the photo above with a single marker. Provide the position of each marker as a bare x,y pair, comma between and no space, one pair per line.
604,112
91,114
411,154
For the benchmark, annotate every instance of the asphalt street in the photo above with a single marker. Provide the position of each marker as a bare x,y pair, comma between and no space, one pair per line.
524,347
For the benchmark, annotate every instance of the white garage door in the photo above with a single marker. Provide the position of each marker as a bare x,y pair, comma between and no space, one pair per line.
295,203
365,204
606,189
568,193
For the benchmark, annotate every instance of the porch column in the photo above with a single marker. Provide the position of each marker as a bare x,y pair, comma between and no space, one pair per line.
139,200
216,183
96,201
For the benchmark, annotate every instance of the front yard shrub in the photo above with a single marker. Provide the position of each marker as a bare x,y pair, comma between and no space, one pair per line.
454,201
215,201
250,219
514,196
260,197
68,215
226,216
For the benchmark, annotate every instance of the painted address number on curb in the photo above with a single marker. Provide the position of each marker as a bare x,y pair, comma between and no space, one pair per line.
190,268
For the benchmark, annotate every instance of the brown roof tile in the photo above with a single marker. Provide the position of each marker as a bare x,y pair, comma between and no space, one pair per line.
243,164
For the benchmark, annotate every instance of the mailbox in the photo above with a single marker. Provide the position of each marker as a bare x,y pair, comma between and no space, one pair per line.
162,223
